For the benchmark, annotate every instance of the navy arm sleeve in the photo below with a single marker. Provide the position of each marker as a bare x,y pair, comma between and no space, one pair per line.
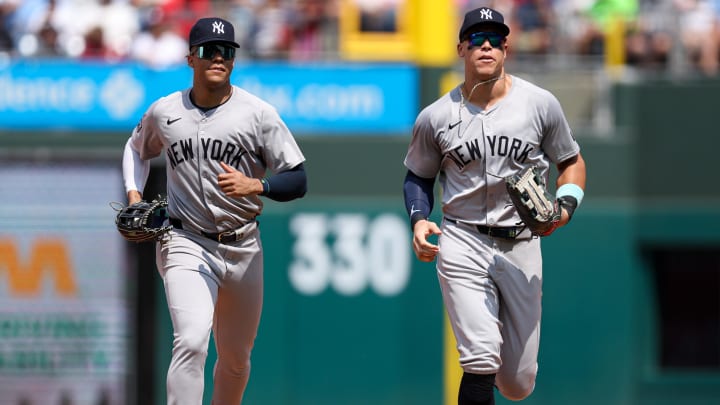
419,199
287,185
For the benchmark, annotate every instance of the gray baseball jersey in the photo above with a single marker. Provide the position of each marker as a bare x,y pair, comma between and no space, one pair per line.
491,286
473,150
245,132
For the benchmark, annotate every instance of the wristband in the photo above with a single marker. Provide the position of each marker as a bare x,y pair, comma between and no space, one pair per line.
265,185
572,190
570,196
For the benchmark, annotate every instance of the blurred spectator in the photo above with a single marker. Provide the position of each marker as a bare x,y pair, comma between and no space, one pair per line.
6,41
24,20
94,47
313,27
602,15
378,15
184,13
573,23
531,25
47,43
270,37
649,41
241,13
26,16
73,20
698,33
159,46
120,23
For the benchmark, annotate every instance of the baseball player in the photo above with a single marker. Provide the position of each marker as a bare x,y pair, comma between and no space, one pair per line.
489,266
219,142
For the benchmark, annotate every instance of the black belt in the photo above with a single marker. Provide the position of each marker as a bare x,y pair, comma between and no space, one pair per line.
222,237
507,232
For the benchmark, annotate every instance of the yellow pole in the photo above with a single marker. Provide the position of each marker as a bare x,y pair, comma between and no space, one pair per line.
434,26
451,363
615,44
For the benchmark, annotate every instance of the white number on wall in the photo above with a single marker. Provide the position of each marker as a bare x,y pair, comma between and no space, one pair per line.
349,253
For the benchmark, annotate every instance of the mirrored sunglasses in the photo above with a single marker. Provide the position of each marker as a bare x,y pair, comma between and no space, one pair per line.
479,38
208,51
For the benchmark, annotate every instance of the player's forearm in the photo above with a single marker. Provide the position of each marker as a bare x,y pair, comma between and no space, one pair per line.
572,171
135,170
287,185
418,194
570,186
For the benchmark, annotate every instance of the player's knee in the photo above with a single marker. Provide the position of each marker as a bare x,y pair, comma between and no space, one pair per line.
192,345
476,389
516,394
234,370
518,387
235,360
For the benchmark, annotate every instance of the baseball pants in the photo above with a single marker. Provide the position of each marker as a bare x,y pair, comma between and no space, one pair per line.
211,286
492,290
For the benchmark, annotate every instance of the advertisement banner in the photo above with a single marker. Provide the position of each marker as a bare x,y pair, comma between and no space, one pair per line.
64,328
328,99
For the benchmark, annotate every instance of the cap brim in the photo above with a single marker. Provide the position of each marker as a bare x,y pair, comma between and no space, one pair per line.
205,41
504,29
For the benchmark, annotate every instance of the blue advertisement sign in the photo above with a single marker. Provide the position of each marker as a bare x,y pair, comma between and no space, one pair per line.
328,99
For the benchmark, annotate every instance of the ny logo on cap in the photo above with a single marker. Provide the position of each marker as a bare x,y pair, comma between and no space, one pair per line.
486,14
218,27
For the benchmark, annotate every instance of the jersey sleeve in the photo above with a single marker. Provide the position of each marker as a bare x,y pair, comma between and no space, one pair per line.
279,148
145,138
558,142
423,156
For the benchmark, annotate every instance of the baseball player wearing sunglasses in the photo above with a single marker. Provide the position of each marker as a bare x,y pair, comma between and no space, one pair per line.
489,266
219,142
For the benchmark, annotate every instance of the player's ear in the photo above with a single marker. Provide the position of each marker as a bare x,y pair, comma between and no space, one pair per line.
461,48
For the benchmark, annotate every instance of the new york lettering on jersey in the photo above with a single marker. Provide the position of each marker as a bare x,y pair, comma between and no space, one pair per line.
210,149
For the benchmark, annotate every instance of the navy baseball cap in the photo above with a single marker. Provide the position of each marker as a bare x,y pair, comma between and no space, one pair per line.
482,16
212,29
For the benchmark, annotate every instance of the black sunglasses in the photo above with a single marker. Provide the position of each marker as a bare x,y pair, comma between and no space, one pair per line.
208,51
479,38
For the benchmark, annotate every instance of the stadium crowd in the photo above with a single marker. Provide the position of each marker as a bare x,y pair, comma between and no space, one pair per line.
155,31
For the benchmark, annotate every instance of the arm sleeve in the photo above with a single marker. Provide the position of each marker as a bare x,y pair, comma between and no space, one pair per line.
419,199
135,170
286,185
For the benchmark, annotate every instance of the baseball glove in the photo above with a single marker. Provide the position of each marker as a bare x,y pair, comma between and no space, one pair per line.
537,208
143,221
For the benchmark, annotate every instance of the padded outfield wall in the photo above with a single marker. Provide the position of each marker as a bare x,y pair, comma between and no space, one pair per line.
351,317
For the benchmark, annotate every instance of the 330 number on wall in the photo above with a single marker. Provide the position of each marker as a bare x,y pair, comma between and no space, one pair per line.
349,252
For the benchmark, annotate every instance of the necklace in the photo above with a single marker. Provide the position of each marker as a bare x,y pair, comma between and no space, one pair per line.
462,98
463,102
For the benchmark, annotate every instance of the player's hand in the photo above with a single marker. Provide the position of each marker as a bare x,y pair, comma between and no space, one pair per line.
134,196
564,217
424,250
235,184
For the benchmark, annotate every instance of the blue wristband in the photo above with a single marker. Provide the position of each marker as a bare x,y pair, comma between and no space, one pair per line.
572,190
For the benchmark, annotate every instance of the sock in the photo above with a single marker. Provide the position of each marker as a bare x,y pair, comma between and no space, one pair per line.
477,389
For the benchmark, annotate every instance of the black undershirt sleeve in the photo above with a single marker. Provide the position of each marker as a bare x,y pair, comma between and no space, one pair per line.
419,199
287,185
